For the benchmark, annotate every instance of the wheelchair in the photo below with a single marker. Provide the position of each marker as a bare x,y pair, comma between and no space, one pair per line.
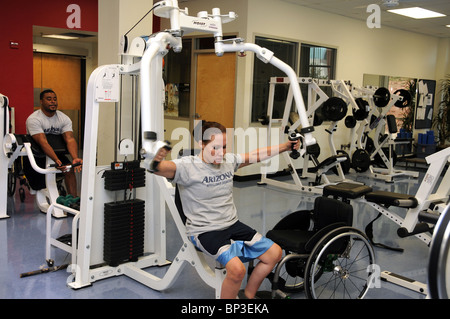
324,254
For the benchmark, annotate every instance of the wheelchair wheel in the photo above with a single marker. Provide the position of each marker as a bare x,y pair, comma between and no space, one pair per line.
439,260
12,181
289,273
344,257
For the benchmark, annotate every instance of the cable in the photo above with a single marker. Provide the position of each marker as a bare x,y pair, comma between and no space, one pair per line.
141,19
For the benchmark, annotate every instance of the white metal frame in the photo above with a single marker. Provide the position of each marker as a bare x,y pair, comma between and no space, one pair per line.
4,160
316,97
429,192
389,173
103,86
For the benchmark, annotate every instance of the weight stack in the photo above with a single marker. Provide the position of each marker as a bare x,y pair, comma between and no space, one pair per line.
124,175
124,224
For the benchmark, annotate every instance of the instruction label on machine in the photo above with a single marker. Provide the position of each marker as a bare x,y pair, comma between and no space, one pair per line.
107,88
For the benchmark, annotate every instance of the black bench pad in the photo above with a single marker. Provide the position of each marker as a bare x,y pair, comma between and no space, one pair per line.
346,190
392,199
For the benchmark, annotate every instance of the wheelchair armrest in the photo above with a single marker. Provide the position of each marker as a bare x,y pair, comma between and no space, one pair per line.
320,233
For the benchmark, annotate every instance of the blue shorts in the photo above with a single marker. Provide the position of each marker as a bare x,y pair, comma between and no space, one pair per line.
239,240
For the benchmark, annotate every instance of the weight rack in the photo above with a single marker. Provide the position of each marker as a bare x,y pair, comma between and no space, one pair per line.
124,221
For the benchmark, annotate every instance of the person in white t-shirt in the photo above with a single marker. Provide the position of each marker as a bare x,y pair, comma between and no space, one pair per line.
49,121
205,184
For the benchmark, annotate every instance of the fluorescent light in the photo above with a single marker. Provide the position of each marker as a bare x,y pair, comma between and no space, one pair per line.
417,13
59,36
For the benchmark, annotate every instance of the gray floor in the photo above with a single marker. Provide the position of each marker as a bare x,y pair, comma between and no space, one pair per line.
22,248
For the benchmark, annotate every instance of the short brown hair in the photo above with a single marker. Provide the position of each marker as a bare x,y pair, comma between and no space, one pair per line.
205,129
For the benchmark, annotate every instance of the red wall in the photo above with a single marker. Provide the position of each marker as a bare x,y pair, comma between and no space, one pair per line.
16,64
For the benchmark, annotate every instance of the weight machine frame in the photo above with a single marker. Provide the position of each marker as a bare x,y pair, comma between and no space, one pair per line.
365,127
316,97
4,160
103,86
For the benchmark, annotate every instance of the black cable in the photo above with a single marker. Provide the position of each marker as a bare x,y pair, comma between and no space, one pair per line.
141,19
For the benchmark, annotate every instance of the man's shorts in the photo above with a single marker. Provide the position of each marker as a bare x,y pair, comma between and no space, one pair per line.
239,240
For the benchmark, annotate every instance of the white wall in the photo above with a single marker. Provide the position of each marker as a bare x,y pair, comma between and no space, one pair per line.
116,17
361,50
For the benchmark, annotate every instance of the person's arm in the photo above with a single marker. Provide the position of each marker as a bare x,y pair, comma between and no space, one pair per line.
265,153
164,168
72,147
41,139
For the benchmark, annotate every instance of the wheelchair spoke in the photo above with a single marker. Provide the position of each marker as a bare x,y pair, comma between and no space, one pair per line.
346,273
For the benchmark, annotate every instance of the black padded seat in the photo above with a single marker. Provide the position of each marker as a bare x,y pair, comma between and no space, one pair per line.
328,161
56,142
296,234
392,199
291,233
346,190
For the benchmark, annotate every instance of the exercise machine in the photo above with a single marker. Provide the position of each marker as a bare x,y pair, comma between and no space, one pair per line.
15,146
289,123
4,161
423,208
90,229
376,155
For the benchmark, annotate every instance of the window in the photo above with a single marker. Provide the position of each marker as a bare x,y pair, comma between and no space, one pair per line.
287,52
319,63
315,62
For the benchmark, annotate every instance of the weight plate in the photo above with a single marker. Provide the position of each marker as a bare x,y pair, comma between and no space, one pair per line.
363,109
381,97
350,121
360,160
334,109
406,98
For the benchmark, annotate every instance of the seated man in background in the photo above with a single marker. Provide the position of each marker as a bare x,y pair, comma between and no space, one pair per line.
49,121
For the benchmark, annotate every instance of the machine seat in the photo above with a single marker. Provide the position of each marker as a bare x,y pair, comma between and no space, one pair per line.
346,190
328,161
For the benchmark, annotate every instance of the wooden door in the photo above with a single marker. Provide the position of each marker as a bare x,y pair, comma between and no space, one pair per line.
215,88
62,74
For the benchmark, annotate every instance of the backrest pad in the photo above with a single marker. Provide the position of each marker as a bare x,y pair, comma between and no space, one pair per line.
328,211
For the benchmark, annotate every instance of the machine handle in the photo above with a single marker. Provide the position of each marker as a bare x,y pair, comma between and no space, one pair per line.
154,164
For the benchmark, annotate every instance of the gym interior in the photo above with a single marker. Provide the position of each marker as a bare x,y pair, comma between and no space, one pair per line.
364,89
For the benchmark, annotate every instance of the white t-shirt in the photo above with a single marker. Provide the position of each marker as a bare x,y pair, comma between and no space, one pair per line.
58,124
206,191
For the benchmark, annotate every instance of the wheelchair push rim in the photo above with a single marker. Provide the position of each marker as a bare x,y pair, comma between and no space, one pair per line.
344,275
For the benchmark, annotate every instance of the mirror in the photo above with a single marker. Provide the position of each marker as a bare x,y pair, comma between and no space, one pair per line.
404,117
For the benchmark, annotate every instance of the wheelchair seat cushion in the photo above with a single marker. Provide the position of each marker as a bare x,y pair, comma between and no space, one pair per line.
294,232
346,190
292,240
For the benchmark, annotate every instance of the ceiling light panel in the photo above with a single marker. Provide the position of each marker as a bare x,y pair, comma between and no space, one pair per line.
417,13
